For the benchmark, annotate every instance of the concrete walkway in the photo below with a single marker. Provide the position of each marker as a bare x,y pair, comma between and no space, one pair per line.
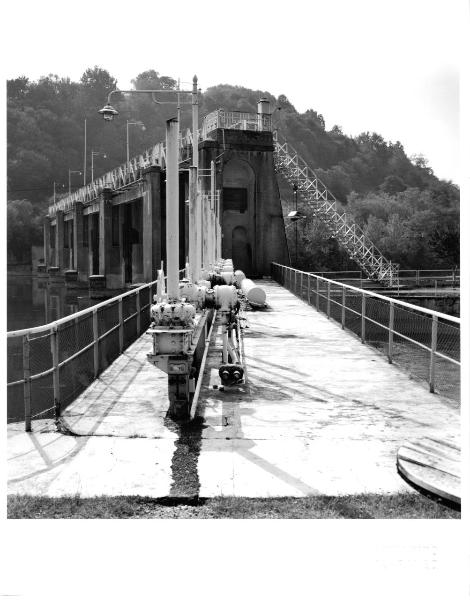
321,414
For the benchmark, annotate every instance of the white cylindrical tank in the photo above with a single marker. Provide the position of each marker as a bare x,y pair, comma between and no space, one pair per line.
239,277
227,276
255,295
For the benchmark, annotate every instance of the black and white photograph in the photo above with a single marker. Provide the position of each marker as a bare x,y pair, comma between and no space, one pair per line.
234,285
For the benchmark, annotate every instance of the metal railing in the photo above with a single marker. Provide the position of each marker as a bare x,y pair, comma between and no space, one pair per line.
221,119
424,342
122,176
408,277
131,172
50,365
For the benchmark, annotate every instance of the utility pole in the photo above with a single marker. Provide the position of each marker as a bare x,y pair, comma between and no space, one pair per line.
295,188
84,159
195,233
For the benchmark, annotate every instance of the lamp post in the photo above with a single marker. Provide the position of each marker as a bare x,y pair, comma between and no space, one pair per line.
295,190
93,154
127,134
109,112
70,179
84,155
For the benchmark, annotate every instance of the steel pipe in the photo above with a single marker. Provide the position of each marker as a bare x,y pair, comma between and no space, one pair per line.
255,295
172,210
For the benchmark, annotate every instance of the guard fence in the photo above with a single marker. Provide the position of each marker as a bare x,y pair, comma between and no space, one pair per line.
50,365
405,277
424,342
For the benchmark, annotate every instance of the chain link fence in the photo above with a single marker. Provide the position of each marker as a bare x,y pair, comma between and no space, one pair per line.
51,365
425,343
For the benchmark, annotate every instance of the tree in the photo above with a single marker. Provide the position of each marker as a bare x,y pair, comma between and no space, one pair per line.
445,242
392,184
23,229
99,80
45,126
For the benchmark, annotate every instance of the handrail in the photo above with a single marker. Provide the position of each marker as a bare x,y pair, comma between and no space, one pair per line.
67,346
379,296
441,332
55,324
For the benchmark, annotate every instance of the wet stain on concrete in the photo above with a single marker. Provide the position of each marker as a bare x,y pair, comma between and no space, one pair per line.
184,463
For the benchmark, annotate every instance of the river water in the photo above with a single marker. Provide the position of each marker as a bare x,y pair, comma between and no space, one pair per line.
33,301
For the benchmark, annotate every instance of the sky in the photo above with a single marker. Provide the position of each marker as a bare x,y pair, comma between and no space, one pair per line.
389,67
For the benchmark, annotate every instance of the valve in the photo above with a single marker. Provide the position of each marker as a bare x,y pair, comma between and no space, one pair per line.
231,374
171,314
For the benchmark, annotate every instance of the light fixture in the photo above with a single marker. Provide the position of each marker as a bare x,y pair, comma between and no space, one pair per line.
108,112
295,215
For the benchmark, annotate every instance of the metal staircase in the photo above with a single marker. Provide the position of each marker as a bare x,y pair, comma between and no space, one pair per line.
327,209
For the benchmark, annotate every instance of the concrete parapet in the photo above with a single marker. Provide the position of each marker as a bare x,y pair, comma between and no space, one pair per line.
97,282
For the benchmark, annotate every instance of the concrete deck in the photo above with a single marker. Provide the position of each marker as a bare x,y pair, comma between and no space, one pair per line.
321,414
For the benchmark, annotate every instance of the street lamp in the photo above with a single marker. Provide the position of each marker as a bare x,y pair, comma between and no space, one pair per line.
70,184
127,134
296,191
195,236
295,215
93,154
108,111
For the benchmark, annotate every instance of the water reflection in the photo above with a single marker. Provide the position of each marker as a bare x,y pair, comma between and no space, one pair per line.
33,301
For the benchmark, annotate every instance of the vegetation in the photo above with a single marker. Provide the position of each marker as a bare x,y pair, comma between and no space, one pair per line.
362,506
410,214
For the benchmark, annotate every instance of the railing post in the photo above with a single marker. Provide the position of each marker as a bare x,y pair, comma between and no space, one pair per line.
137,308
308,288
295,281
96,344
328,303
121,327
363,318
391,320
318,294
432,366
301,284
27,384
417,277
55,372
343,308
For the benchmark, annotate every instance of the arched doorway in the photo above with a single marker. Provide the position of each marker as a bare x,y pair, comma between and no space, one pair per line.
238,214
241,250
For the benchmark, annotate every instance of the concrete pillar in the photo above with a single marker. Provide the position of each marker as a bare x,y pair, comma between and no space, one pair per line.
105,225
193,225
47,242
79,248
90,244
59,239
151,216
121,245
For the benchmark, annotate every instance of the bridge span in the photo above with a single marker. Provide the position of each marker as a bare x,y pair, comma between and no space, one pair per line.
281,400
320,413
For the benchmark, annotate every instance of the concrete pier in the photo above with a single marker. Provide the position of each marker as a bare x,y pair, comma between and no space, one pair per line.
321,413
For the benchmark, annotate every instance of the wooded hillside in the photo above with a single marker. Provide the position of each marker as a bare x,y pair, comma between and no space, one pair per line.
411,215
